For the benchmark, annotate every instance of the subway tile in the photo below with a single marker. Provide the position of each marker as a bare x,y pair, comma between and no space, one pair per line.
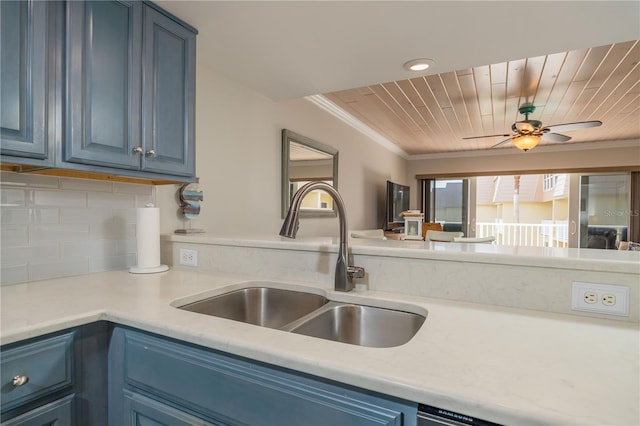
37,253
86,185
127,215
28,180
14,216
144,201
13,274
133,188
84,216
44,216
47,270
111,200
110,263
112,229
127,246
77,249
41,233
60,198
14,235
12,197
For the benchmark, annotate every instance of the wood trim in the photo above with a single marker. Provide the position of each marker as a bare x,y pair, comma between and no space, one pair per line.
314,179
614,169
18,168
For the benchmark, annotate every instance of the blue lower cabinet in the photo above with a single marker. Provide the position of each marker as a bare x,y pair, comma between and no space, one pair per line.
140,410
35,370
225,389
58,413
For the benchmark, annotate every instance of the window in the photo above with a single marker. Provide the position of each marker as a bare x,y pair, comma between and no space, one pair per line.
549,182
539,210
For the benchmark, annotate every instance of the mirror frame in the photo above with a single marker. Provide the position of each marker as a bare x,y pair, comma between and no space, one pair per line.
287,137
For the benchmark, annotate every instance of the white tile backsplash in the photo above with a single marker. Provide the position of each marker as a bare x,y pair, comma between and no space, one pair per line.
13,197
28,180
129,188
111,200
17,216
59,198
14,273
40,233
14,235
57,226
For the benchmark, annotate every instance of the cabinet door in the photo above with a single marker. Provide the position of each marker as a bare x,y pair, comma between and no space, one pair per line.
168,96
58,413
103,59
236,391
140,410
23,63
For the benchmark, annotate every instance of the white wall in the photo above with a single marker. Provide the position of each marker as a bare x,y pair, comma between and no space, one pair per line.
238,160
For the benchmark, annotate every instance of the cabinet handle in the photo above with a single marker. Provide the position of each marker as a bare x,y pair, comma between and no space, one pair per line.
137,150
20,380
151,153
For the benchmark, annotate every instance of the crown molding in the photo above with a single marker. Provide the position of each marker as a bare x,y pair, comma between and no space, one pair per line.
350,120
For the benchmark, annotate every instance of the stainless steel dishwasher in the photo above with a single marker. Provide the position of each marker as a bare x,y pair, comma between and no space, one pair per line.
433,416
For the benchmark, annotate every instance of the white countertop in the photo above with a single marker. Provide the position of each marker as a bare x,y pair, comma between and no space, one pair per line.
546,257
500,364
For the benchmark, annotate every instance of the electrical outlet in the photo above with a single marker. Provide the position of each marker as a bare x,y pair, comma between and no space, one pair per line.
600,298
609,299
189,257
590,297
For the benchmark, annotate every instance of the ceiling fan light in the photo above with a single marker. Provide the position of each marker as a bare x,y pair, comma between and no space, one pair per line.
526,142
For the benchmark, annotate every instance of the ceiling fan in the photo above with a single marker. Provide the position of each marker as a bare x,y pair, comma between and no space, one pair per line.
528,133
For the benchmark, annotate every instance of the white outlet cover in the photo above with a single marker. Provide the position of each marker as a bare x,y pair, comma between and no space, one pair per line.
621,294
188,257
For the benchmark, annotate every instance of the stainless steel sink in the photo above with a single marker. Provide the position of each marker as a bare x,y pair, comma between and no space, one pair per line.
264,306
313,315
362,325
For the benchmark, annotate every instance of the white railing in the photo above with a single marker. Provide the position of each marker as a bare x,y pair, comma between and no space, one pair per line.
545,234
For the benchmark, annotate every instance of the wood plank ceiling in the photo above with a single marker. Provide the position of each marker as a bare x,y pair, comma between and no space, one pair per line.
431,114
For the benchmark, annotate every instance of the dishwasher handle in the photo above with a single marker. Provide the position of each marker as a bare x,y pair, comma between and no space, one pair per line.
433,416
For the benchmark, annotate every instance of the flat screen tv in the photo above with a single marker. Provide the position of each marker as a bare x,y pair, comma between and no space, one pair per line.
397,201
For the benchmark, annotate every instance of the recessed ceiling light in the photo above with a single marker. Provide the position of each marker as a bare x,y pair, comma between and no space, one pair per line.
419,64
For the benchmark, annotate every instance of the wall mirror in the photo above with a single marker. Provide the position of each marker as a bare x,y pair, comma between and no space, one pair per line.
306,160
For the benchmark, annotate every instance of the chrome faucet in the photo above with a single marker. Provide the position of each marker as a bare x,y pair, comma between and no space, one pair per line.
345,271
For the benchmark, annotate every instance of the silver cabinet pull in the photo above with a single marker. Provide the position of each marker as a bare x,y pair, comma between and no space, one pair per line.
20,380
137,150
151,153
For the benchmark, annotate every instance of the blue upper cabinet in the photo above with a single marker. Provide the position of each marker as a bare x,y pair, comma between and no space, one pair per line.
130,88
168,95
23,79
103,66
98,86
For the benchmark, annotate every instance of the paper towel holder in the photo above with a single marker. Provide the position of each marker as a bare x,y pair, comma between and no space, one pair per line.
153,268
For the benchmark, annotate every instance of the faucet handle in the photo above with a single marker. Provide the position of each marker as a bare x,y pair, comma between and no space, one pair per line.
355,272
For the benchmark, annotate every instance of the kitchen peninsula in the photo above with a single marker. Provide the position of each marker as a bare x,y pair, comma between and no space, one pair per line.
503,364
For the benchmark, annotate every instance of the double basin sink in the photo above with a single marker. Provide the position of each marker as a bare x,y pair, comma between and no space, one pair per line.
313,315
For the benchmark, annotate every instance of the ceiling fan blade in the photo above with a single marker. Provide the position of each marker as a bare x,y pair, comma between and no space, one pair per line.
567,127
502,142
488,136
555,137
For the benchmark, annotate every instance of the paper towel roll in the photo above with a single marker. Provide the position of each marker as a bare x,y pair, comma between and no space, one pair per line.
148,241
